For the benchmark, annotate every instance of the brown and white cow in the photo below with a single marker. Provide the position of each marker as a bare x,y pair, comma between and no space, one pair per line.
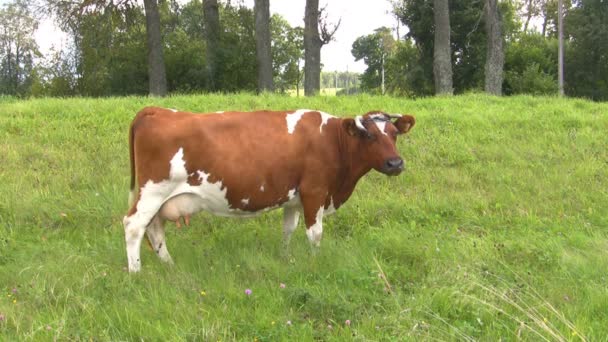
241,164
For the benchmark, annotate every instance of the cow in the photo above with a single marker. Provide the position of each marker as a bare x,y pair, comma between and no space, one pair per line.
241,164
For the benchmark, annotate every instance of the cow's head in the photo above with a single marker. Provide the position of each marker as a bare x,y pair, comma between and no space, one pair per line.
376,134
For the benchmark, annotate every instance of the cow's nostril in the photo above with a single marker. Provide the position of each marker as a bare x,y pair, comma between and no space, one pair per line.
394,163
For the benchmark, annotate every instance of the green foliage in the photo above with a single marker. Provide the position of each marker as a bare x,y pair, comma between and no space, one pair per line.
109,53
287,53
17,48
495,231
374,50
184,47
467,38
532,80
238,69
530,65
405,76
586,62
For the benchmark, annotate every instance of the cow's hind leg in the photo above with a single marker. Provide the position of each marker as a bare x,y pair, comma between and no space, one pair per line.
156,236
290,223
133,235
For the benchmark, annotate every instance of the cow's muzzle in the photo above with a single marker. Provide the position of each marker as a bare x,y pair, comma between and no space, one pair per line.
393,166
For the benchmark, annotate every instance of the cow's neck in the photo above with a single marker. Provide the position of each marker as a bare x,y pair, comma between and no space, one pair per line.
352,167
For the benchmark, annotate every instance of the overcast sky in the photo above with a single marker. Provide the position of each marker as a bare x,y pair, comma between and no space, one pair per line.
359,17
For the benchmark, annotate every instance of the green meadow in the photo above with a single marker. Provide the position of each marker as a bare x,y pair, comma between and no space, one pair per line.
497,230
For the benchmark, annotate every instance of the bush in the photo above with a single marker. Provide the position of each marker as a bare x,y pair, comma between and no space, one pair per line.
531,65
531,81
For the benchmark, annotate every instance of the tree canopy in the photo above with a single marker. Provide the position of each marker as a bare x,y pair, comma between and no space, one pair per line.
106,53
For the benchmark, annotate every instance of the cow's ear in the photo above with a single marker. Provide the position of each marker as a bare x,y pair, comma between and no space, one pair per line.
350,127
405,123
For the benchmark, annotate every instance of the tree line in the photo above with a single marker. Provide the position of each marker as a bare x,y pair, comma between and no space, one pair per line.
489,45
118,47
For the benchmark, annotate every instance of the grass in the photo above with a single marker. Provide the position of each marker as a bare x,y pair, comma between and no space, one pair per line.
496,231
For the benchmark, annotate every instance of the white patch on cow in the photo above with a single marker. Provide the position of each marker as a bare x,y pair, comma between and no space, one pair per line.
315,231
380,121
152,196
359,123
174,198
262,188
324,118
219,112
173,110
291,194
293,118
330,209
291,216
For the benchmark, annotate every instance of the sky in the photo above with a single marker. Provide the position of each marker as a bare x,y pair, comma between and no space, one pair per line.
359,17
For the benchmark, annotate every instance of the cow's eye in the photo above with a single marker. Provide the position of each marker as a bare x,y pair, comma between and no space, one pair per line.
370,136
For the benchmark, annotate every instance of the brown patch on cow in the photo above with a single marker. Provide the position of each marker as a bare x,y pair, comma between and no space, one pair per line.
194,179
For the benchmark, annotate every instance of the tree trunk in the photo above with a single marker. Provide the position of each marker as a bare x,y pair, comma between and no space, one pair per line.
528,16
495,54
560,48
156,64
312,49
212,35
442,55
262,45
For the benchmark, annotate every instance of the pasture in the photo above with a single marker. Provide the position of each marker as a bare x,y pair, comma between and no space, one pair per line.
495,231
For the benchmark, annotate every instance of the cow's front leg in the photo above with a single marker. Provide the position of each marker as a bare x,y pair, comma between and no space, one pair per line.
313,217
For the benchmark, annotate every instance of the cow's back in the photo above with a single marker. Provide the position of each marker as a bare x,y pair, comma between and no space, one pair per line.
254,155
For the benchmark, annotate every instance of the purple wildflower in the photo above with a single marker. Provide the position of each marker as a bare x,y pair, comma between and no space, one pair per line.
248,292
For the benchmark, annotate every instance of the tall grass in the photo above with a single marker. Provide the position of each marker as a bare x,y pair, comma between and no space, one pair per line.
496,231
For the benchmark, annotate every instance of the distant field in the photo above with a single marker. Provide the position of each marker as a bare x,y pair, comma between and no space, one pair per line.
496,231
323,92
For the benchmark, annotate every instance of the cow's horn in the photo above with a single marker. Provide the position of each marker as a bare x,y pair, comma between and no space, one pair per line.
394,116
359,123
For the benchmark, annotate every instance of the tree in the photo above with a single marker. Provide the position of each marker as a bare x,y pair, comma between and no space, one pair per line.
212,36
262,46
495,54
560,53
312,49
313,41
467,40
287,52
156,64
374,49
586,59
530,65
442,56
17,48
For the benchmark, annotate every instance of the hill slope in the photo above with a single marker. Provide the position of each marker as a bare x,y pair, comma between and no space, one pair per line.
497,229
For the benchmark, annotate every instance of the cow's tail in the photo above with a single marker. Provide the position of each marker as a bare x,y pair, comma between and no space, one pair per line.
132,161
